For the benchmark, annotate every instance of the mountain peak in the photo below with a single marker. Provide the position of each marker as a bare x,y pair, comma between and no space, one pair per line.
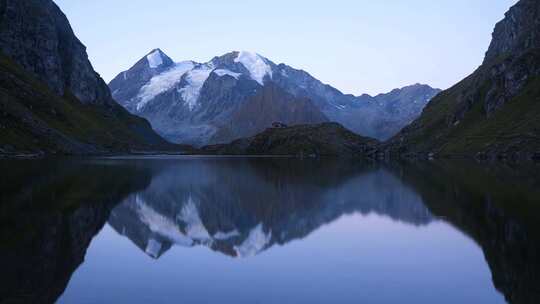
154,51
257,65
411,89
419,86
251,63
156,58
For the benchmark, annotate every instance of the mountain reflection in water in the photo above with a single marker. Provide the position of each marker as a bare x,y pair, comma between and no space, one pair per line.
242,208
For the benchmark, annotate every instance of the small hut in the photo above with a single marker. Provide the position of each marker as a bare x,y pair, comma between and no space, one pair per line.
278,125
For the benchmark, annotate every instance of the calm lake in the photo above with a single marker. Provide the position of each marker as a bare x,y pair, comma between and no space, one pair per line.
233,230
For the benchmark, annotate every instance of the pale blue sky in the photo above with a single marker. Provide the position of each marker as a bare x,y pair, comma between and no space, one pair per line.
358,46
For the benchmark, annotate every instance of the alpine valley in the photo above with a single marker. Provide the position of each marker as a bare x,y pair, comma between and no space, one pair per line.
240,94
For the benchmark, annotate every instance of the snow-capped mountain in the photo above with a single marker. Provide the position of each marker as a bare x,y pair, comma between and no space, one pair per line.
240,93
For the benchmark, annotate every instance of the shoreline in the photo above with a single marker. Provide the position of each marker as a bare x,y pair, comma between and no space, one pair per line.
420,157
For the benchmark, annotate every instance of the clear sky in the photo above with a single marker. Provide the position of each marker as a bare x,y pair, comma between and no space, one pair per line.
357,46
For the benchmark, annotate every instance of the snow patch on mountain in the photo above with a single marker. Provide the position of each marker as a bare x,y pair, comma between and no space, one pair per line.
155,59
255,242
153,248
255,64
196,79
194,226
223,72
163,82
160,224
222,236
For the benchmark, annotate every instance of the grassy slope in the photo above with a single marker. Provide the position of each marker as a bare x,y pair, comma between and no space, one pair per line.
515,126
33,119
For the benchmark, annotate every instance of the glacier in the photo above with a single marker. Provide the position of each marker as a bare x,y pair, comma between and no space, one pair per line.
255,242
196,79
163,82
255,64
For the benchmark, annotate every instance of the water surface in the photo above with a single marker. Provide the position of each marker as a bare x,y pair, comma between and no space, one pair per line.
219,230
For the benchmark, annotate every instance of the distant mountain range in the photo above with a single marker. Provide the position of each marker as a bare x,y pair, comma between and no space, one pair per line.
494,112
240,94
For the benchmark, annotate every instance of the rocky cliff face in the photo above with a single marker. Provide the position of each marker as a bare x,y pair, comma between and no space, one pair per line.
513,65
270,105
37,35
52,99
517,32
495,110
198,103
